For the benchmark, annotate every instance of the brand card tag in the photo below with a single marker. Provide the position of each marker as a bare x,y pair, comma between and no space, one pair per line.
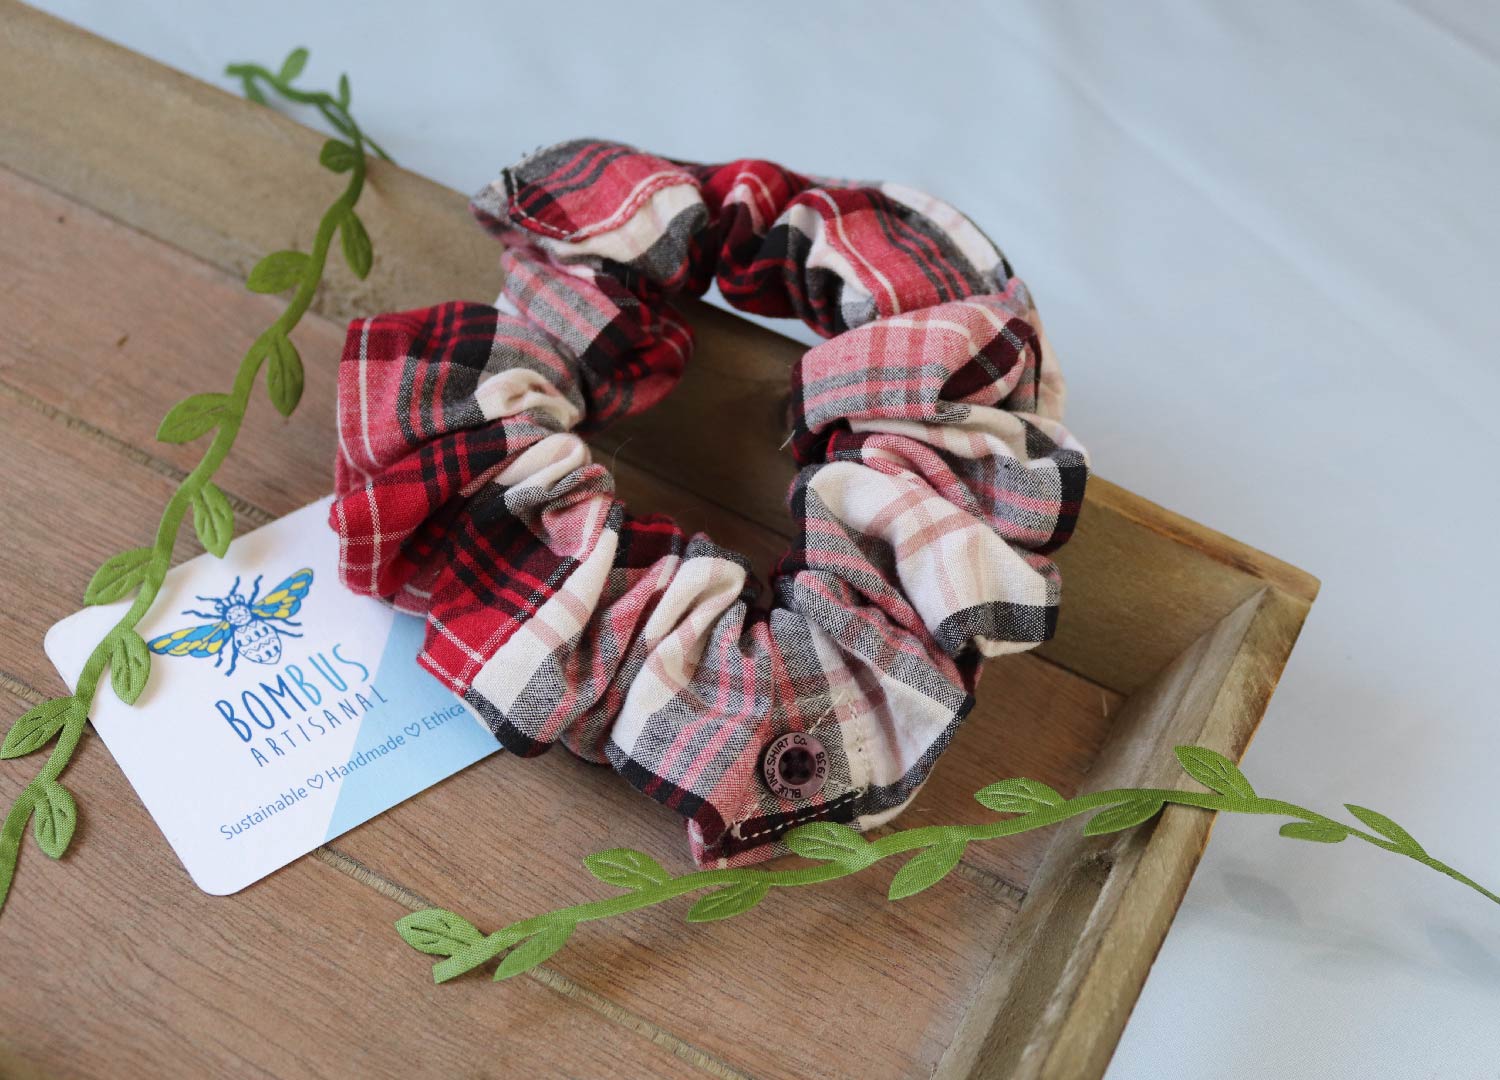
282,709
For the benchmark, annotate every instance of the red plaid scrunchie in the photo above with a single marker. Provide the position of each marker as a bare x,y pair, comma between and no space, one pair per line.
935,479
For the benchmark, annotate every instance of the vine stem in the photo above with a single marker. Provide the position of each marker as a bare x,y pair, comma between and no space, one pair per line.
927,837
337,113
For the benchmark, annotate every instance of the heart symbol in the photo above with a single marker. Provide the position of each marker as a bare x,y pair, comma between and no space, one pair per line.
413,730
315,781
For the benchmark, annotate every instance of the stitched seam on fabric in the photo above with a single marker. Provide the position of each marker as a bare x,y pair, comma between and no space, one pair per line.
624,213
824,809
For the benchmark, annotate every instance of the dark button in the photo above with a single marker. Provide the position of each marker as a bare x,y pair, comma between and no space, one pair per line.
795,766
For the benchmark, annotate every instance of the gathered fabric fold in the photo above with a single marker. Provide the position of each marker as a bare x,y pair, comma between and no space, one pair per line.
935,480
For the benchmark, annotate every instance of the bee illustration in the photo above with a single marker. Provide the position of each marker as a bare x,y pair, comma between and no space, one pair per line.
247,625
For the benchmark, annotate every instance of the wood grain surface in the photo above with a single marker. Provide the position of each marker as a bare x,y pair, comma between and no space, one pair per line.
108,327
132,200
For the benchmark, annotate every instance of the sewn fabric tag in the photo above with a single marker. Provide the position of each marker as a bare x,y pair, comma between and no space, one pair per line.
282,709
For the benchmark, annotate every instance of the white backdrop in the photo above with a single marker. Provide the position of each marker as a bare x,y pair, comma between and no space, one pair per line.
1264,239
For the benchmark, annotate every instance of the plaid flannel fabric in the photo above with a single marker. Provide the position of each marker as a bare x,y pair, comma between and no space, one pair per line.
936,477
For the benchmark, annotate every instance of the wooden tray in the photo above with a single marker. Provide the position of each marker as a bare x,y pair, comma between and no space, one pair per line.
134,200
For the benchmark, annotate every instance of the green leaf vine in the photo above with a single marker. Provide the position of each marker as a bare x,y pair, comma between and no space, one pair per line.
838,851
835,850
140,571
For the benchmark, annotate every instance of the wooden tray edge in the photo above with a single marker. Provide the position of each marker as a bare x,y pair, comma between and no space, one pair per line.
1045,1015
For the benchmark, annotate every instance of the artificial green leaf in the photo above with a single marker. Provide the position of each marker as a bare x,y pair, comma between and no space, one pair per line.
213,519
120,576
1316,831
338,156
437,932
337,122
193,417
129,665
1018,796
625,867
1214,771
11,835
1125,815
135,570
356,242
36,727
278,271
729,901
296,60
1386,828
827,841
284,379
536,949
56,816
926,869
